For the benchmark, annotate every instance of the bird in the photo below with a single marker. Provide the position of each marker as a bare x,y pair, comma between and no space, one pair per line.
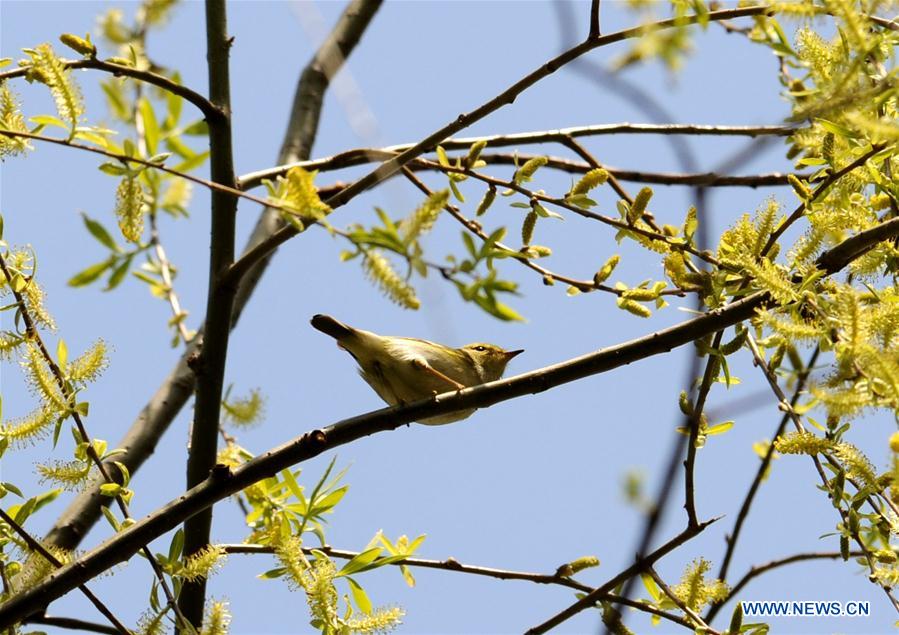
406,369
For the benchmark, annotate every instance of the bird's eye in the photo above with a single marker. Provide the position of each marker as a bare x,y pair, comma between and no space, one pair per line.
480,349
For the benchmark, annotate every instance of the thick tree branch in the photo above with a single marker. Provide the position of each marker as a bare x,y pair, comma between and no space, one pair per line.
210,366
223,483
155,418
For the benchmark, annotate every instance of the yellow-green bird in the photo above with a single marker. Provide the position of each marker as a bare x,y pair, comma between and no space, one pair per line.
405,369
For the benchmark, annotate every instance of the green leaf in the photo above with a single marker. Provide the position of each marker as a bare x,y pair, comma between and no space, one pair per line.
86,276
62,353
48,120
197,129
329,501
191,163
651,587
12,488
115,99
118,274
173,106
292,485
360,562
720,428
736,619
110,517
150,124
837,129
98,231
360,597
113,169
176,546
110,489
272,574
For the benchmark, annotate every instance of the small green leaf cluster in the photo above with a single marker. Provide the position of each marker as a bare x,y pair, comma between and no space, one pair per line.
295,195
400,238
695,590
471,161
280,513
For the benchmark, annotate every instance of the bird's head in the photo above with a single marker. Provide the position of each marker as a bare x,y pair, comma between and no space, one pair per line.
491,359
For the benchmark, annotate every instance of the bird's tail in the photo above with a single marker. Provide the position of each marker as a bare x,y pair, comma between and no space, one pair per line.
329,326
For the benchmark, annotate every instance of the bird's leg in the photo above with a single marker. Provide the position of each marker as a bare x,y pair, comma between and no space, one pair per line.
423,365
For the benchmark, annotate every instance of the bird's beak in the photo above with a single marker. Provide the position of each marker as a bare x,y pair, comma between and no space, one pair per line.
511,354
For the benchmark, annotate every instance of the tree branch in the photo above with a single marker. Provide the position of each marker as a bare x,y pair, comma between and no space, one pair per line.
362,156
594,20
757,570
223,482
210,365
66,391
639,565
72,623
392,165
35,546
208,109
451,564
698,622
159,412
760,475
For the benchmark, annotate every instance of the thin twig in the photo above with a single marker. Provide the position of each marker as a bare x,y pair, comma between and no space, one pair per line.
762,471
794,417
594,20
363,156
391,166
475,228
695,417
72,623
757,570
697,619
35,546
165,271
118,70
640,564
819,191
451,564
125,159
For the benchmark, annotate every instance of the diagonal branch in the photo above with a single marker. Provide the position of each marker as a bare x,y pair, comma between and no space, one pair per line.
35,546
223,482
641,564
392,165
760,474
162,408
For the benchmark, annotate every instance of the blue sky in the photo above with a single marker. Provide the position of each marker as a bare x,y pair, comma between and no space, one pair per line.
526,485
